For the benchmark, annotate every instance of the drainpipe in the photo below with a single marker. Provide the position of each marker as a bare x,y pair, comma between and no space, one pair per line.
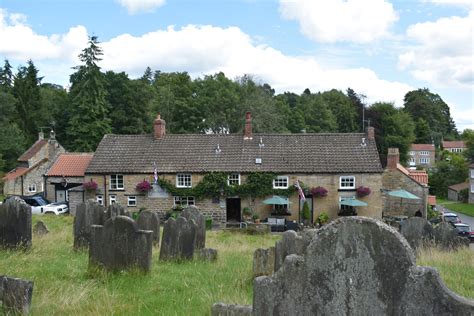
22,192
105,191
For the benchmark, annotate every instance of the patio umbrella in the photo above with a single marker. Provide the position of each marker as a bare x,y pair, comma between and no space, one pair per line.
276,200
353,202
403,194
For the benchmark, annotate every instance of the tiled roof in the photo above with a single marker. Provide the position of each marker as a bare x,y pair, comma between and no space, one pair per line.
33,150
70,165
15,173
419,176
459,186
453,144
432,199
424,147
289,153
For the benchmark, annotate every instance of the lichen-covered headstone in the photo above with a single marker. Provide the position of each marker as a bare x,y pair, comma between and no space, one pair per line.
179,237
119,245
193,213
446,236
356,266
15,294
291,243
87,214
417,231
115,210
263,262
148,220
220,309
207,254
15,225
40,228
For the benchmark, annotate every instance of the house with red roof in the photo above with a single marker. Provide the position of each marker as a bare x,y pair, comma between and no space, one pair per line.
65,178
421,155
453,146
27,177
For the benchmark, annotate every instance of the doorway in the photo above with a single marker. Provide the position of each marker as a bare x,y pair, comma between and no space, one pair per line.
233,209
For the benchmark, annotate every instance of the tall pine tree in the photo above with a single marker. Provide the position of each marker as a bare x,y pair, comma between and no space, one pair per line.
89,113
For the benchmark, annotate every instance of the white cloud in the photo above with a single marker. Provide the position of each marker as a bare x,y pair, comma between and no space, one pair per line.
24,43
443,52
329,21
135,6
462,3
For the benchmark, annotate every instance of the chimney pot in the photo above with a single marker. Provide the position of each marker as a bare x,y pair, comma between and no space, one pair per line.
40,136
248,126
159,127
393,158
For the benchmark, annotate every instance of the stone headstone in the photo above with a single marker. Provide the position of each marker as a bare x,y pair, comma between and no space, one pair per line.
15,225
291,243
446,236
220,309
40,228
119,245
115,210
148,220
356,266
87,214
193,213
207,254
179,237
417,231
15,295
263,262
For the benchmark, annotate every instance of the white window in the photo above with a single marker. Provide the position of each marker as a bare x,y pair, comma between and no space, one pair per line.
346,209
281,182
183,180
113,199
31,188
424,160
99,199
183,200
472,188
233,179
347,182
412,153
412,161
472,173
132,201
424,153
116,182
457,150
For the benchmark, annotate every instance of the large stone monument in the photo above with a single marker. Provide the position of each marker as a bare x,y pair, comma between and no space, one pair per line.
15,224
119,245
148,220
87,214
179,237
417,231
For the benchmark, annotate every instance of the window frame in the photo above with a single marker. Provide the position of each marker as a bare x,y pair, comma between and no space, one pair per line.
425,160
181,199
132,198
472,173
349,179
99,198
113,199
277,182
114,183
183,179
32,188
231,179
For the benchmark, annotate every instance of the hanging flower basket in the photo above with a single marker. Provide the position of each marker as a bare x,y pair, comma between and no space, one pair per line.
363,191
319,192
143,186
90,186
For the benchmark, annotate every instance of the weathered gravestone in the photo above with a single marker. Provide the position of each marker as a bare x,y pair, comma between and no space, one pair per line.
179,237
40,228
148,220
119,245
193,213
220,309
356,266
417,231
263,262
15,225
206,254
115,210
87,214
15,295
291,243
446,236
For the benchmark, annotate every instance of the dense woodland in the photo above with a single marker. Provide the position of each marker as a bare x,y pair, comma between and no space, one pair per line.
98,103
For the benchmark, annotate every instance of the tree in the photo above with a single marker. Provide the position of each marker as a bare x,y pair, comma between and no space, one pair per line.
451,169
342,108
318,117
55,102
89,112
422,132
356,101
6,76
468,137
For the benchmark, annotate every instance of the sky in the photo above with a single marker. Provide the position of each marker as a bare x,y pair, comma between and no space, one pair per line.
380,48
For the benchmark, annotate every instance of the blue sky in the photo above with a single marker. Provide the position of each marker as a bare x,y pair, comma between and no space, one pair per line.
380,48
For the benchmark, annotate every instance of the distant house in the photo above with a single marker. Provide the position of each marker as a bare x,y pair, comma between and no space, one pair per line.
421,155
455,146
455,189
27,177
471,183
397,177
338,162
65,178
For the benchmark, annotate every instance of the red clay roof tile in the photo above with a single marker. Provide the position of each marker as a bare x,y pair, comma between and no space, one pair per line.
70,165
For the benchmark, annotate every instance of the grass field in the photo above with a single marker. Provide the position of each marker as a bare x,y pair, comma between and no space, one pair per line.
63,285
464,208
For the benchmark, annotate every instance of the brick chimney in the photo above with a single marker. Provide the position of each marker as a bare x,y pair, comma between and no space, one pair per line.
370,132
159,127
248,126
40,135
393,158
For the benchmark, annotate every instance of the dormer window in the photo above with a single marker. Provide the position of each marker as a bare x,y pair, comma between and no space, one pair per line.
233,179
281,182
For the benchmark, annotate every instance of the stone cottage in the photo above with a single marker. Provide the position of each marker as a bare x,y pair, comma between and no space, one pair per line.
471,183
341,163
27,177
397,177
421,155
65,178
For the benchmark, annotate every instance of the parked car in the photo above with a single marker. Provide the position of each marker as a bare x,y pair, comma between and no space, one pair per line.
40,205
451,218
464,230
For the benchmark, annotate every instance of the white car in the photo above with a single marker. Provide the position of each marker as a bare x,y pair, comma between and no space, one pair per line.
39,205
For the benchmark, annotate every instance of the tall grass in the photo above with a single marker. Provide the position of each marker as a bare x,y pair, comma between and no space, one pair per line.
65,286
